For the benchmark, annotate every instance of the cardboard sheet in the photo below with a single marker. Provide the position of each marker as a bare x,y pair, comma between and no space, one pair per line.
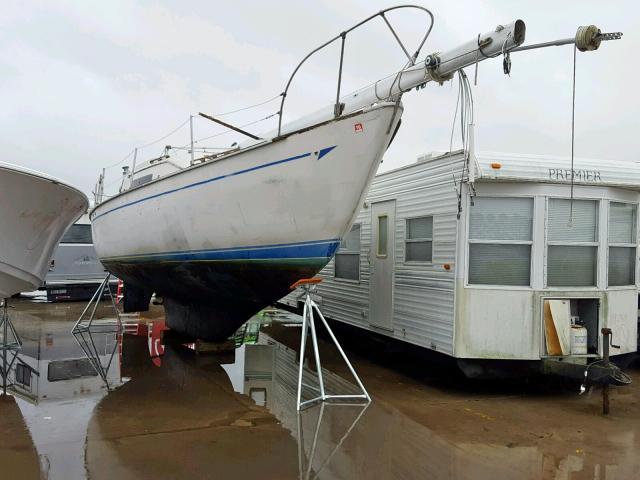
557,325
550,335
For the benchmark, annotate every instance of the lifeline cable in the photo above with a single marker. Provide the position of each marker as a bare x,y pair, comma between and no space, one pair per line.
119,161
186,121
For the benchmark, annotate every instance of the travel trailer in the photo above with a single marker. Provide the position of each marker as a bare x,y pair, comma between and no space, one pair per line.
75,271
495,261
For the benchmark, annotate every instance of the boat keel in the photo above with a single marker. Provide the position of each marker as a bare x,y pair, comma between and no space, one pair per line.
204,321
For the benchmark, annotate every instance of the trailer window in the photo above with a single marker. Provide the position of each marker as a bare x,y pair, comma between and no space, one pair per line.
23,375
622,243
419,239
77,234
347,262
572,243
500,239
383,225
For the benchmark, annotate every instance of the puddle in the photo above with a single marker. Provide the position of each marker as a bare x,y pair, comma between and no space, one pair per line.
173,413
55,385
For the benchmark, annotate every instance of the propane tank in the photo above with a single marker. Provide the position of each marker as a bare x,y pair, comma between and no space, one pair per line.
578,340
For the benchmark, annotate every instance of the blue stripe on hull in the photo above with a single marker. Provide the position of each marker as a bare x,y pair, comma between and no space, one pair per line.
303,250
323,151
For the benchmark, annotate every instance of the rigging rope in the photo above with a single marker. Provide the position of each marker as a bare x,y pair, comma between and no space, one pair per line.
167,135
464,101
112,165
573,128
247,108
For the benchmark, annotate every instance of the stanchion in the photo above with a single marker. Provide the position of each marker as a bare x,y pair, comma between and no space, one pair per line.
308,322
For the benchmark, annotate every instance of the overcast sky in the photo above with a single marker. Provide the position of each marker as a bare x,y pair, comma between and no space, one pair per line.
84,82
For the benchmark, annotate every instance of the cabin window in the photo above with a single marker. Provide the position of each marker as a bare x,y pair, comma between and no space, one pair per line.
622,243
141,180
572,243
500,239
419,239
77,234
347,263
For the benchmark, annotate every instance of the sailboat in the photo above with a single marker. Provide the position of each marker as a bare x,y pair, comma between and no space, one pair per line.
228,235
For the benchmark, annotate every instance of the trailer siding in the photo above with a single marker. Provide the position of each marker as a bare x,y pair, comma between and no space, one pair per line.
423,292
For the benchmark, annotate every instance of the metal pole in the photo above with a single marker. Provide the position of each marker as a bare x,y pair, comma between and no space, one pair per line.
606,332
302,347
300,445
135,157
100,187
337,109
98,299
4,345
191,133
553,43
375,15
411,60
316,351
228,125
86,309
581,42
344,356
339,444
314,444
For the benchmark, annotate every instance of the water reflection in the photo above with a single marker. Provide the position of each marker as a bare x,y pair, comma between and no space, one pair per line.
57,386
190,417
435,434
309,457
267,371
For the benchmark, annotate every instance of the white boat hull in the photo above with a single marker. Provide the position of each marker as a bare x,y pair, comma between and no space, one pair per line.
229,236
36,211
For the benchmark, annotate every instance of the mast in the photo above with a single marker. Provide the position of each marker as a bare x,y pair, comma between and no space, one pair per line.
440,67
437,67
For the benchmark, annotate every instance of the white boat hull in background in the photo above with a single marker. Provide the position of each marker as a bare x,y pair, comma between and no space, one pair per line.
36,210
227,237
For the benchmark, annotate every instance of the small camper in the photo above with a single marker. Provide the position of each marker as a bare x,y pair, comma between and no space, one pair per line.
493,259
75,271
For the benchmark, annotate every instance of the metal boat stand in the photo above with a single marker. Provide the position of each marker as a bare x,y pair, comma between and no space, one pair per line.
85,329
308,322
9,346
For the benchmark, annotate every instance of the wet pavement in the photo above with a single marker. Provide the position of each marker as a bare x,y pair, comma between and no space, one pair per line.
231,414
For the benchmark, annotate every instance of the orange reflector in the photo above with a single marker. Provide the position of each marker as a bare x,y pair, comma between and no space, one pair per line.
447,266
496,166
305,281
